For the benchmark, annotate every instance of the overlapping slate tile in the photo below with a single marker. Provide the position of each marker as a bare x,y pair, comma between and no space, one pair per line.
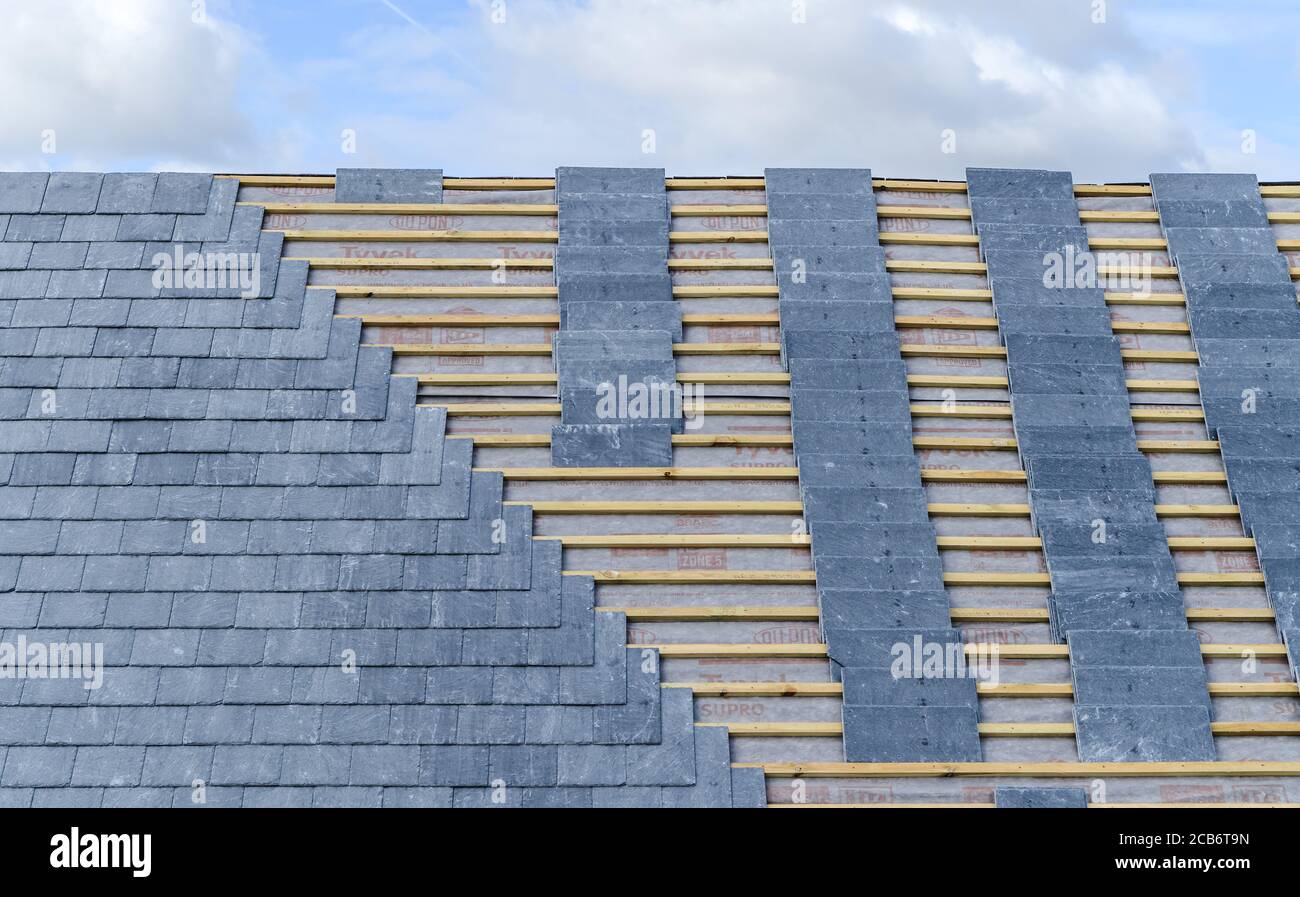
1090,490
304,594
616,315
858,478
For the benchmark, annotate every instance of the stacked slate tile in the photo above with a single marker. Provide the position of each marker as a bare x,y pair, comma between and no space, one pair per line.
1114,589
618,320
303,593
1241,305
879,580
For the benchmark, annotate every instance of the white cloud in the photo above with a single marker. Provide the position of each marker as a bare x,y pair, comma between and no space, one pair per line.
731,86
727,86
120,81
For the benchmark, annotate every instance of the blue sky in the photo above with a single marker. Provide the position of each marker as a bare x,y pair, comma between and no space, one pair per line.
1110,89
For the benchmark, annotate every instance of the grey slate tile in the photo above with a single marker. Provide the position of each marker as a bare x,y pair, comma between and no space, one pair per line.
1019,182
582,179
1021,210
1204,187
648,232
1184,241
866,504
852,181
127,192
609,445
35,228
1231,268
879,647
71,192
179,191
887,609
1213,213
1040,798
1140,649
1144,734
877,687
808,205
831,233
401,185
630,315
1140,686
22,192
910,734
816,261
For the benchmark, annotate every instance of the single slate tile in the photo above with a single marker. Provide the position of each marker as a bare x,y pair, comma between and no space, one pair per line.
891,609
1140,687
1122,538
832,233
1084,573
583,288
35,228
14,256
1144,734
1204,187
1032,291
607,445
181,191
1076,439
1032,238
910,574
589,233
854,181
911,734
1039,798
1205,268
126,193
807,205
848,374
876,407
72,192
611,260
869,289
22,192
1135,649
1184,241
814,260
1212,213
1252,323
1259,351
1277,295
837,315
1020,182
576,179
836,469
878,687
860,504
826,344
880,647
1078,321
1022,210
853,437
612,210
626,315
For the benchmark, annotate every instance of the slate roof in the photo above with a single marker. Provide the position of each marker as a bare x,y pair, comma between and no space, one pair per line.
307,595
292,571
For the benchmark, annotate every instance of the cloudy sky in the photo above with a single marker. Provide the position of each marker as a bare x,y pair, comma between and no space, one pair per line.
1110,89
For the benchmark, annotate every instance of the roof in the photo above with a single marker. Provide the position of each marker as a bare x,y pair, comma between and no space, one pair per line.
350,480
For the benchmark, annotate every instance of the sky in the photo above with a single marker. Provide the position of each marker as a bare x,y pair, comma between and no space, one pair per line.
1111,90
